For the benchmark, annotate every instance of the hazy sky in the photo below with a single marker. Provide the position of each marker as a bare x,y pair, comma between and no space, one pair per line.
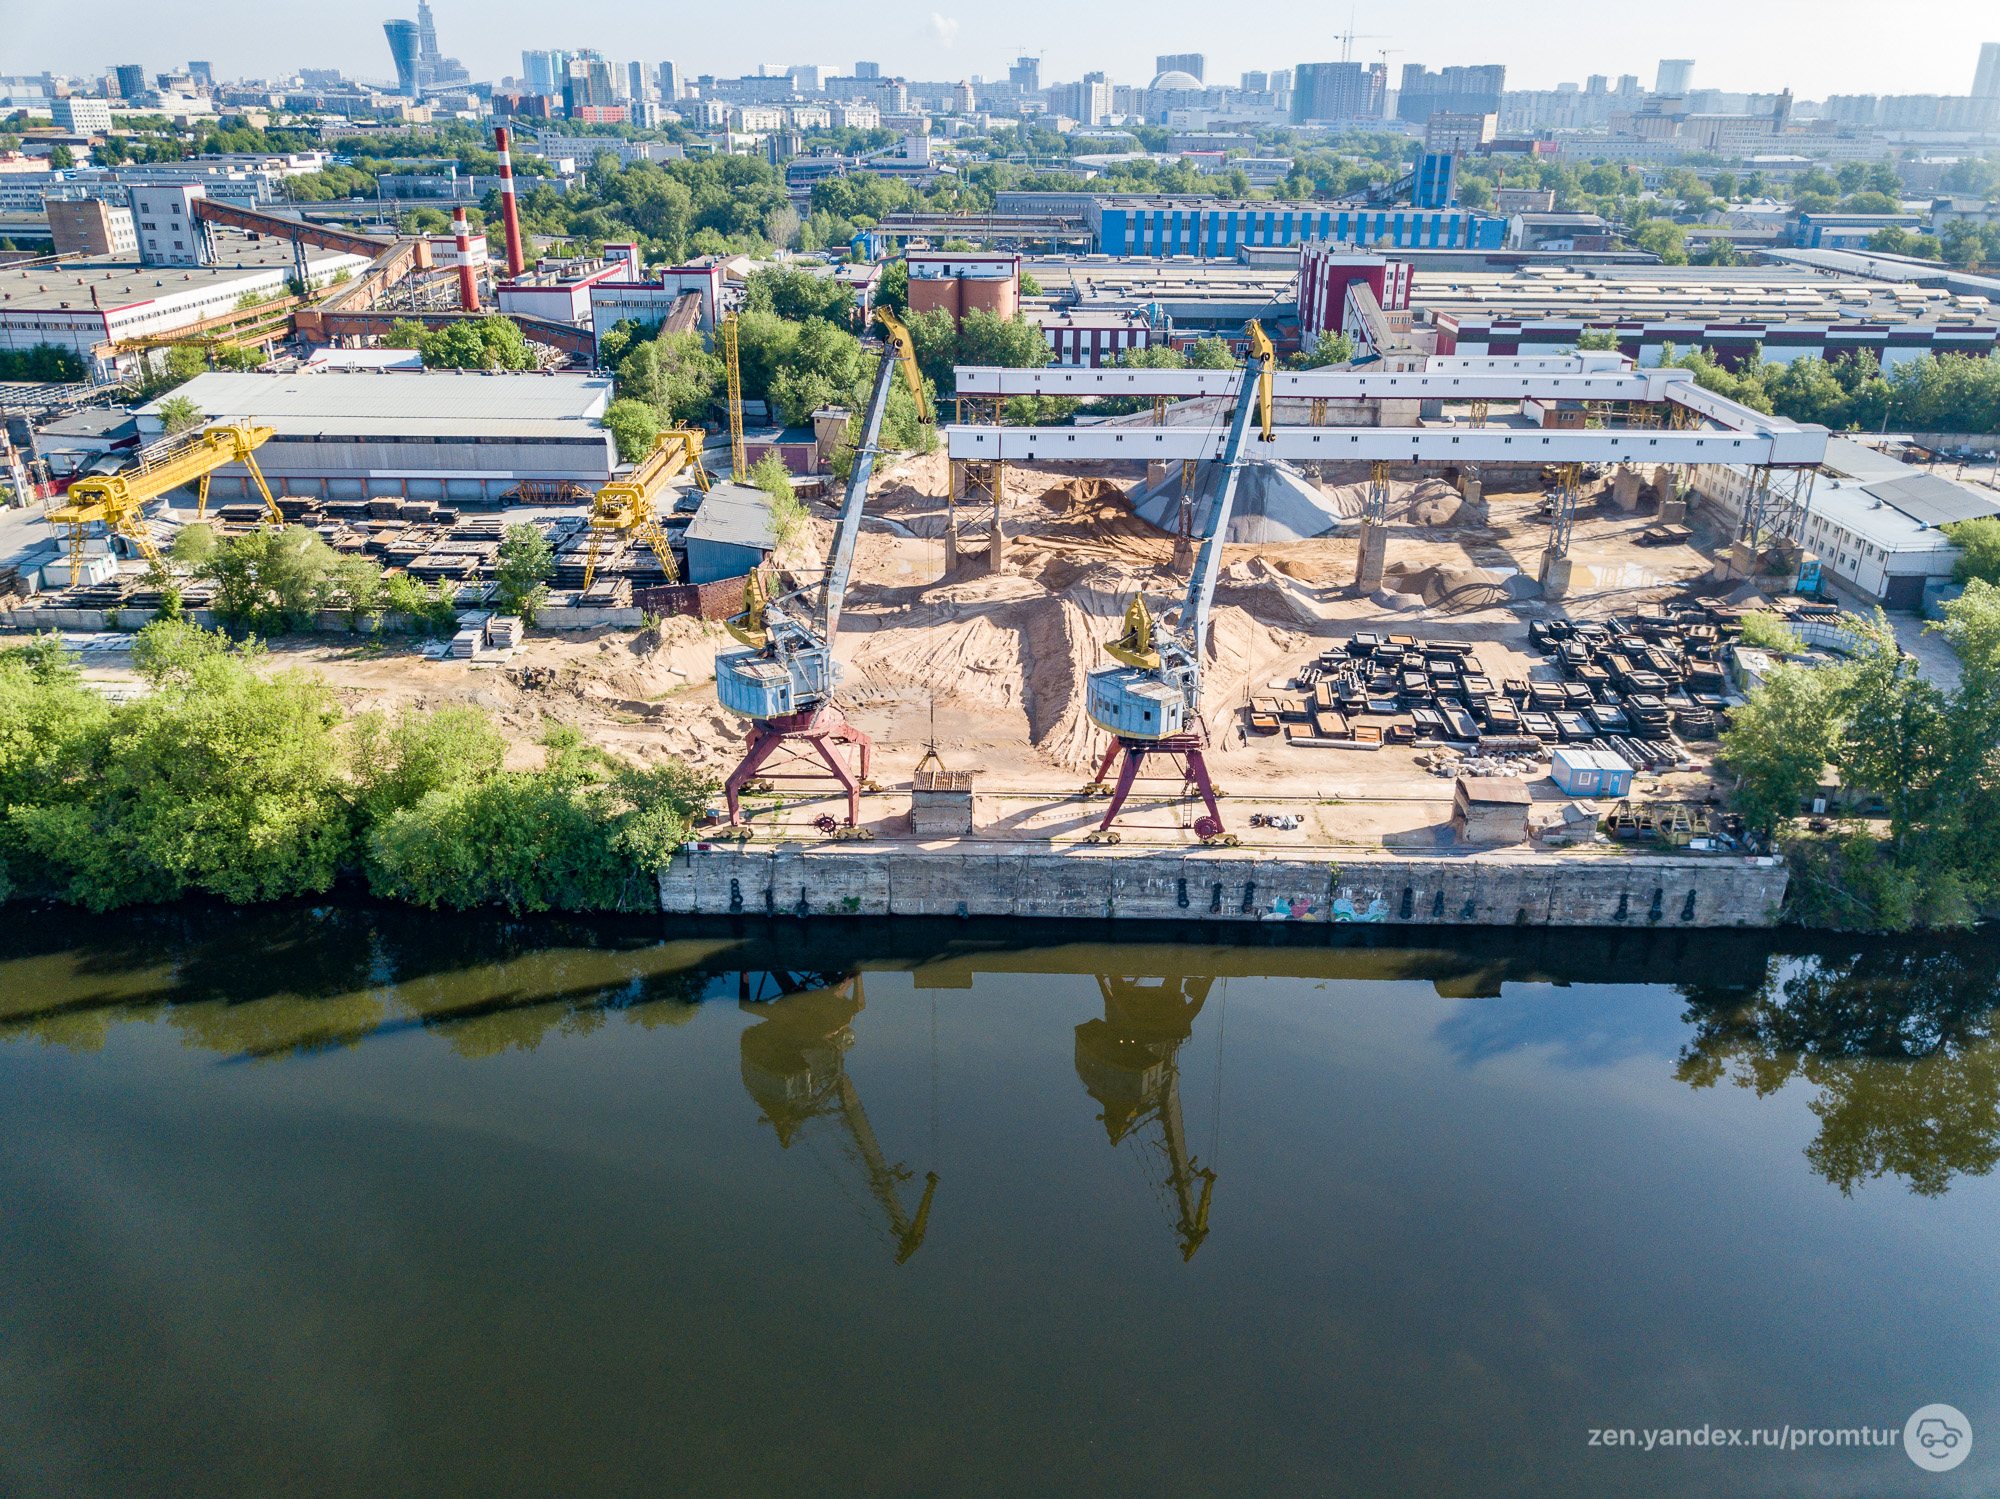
1816,47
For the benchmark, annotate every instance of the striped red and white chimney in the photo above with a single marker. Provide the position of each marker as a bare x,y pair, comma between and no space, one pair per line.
515,262
468,279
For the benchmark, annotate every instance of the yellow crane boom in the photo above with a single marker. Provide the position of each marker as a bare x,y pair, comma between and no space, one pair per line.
117,501
738,468
625,507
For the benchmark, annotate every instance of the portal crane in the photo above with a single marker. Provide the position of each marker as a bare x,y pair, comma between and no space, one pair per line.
1129,1061
625,507
118,501
783,679
1150,703
794,1066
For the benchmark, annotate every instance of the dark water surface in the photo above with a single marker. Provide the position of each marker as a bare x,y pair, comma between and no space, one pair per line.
355,1201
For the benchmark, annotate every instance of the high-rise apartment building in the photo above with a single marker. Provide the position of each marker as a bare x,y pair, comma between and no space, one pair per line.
587,84
635,81
807,77
202,73
1191,63
1463,91
1338,91
868,70
131,80
1026,75
1256,83
1675,78
1986,79
539,71
670,82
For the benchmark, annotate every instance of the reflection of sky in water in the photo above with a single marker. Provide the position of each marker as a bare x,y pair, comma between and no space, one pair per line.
1577,1025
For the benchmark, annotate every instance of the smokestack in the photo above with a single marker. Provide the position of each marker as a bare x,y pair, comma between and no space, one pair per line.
515,263
468,281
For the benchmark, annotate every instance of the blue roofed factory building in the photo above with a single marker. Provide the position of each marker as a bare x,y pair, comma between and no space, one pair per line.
1209,228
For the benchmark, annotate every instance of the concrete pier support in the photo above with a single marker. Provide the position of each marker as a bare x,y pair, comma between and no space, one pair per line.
1673,512
1373,554
1625,489
1555,575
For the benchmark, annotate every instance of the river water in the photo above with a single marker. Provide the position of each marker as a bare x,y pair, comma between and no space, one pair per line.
358,1201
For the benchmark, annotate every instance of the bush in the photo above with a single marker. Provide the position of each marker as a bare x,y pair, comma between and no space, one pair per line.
1768,632
1978,541
788,512
430,610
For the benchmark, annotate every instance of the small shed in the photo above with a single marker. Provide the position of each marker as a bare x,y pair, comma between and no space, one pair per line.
730,534
1589,772
1490,809
941,803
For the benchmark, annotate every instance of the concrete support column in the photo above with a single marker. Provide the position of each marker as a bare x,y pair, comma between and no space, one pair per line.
1373,554
1673,512
1555,574
1625,489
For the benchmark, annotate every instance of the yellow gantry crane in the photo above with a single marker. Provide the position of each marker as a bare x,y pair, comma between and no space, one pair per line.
625,507
117,501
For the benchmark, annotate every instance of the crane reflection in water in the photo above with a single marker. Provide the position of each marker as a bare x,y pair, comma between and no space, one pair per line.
795,1066
1129,1061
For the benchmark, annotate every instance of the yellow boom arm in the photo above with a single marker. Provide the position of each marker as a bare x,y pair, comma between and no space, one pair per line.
906,355
1260,347
624,507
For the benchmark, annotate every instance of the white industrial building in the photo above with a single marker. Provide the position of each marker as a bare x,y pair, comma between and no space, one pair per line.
454,436
1874,522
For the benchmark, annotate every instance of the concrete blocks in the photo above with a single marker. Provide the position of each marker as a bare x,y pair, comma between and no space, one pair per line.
1673,512
1625,489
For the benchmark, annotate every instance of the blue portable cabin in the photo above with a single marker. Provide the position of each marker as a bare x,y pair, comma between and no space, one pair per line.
1580,771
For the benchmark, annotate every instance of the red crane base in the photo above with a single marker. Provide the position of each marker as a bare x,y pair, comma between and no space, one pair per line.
803,736
1185,750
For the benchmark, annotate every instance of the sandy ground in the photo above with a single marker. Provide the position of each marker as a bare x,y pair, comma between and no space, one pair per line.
992,665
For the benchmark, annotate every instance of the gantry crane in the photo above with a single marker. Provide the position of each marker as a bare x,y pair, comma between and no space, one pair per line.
1150,703
794,1066
625,507
1129,1061
783,678
117,501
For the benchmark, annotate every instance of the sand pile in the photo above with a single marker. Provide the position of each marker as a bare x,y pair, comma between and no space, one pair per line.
1274,503
1434,502
1458,588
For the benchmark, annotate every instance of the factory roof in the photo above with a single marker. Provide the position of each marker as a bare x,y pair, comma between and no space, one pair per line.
120,281
448,402
1930,500
1712,293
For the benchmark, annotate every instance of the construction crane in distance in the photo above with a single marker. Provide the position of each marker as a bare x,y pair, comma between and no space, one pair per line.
1150,702
626,507
783,678
737,466
117,501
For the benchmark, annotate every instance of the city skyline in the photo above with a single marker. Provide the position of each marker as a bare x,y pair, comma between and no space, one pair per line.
1934,48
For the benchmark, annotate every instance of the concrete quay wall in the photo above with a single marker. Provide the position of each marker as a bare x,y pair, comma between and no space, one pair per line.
971,879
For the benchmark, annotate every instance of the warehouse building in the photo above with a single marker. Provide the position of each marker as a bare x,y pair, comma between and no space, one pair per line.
1210,228
1874,522
452,436
1785,311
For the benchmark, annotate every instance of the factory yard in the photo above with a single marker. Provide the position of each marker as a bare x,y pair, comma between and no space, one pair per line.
992,665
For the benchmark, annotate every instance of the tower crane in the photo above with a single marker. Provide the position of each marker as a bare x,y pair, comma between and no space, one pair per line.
1150,703
117,501
733,365
625,507
783,678
1129,1062
794,1066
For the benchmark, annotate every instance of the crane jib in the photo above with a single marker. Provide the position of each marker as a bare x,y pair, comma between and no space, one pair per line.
842,562
1193,628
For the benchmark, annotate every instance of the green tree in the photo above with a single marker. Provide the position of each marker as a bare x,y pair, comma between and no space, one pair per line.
396,765
788,513
179,414
1665,239
894,291
61,158
272,581
634,426
1597,339
1978,543
798,295
1780,743
523,567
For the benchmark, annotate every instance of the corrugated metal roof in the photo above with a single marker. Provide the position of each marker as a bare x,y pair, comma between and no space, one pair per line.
734,515
493,401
